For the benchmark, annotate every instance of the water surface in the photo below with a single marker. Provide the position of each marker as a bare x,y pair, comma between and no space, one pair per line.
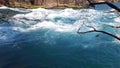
49,39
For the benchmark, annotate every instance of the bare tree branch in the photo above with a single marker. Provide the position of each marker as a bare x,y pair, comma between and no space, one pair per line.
112,26
100,31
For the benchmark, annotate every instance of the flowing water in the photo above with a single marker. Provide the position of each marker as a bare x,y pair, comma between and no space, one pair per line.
48,38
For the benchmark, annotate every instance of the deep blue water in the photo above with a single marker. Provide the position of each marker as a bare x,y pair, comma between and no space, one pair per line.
51,40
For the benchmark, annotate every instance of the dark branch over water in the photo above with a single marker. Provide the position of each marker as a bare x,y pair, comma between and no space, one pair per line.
95,30
108,3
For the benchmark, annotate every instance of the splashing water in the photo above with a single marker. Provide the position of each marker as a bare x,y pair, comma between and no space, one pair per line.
67,20
53,33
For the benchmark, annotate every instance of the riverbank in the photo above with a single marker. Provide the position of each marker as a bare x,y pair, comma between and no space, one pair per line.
50,4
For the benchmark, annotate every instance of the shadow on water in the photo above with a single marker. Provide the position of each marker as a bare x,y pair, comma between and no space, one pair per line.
60,54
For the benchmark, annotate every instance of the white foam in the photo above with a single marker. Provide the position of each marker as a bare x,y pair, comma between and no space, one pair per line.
22,10
53,26
88,16
117,19
3,7
43,14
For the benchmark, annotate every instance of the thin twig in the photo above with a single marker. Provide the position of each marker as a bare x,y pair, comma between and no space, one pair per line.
100,31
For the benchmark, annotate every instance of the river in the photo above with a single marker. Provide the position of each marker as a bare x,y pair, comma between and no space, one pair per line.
48,38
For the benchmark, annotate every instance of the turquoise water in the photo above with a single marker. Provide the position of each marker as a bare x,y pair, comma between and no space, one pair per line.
49,39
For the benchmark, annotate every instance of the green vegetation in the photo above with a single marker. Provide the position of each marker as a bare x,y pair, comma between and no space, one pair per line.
32,6
67,6
27,6
73,6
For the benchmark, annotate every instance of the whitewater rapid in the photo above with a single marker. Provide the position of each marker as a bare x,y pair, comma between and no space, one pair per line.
59,20
34,38
67,20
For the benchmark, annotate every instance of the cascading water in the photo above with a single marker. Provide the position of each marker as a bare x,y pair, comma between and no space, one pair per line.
48,38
